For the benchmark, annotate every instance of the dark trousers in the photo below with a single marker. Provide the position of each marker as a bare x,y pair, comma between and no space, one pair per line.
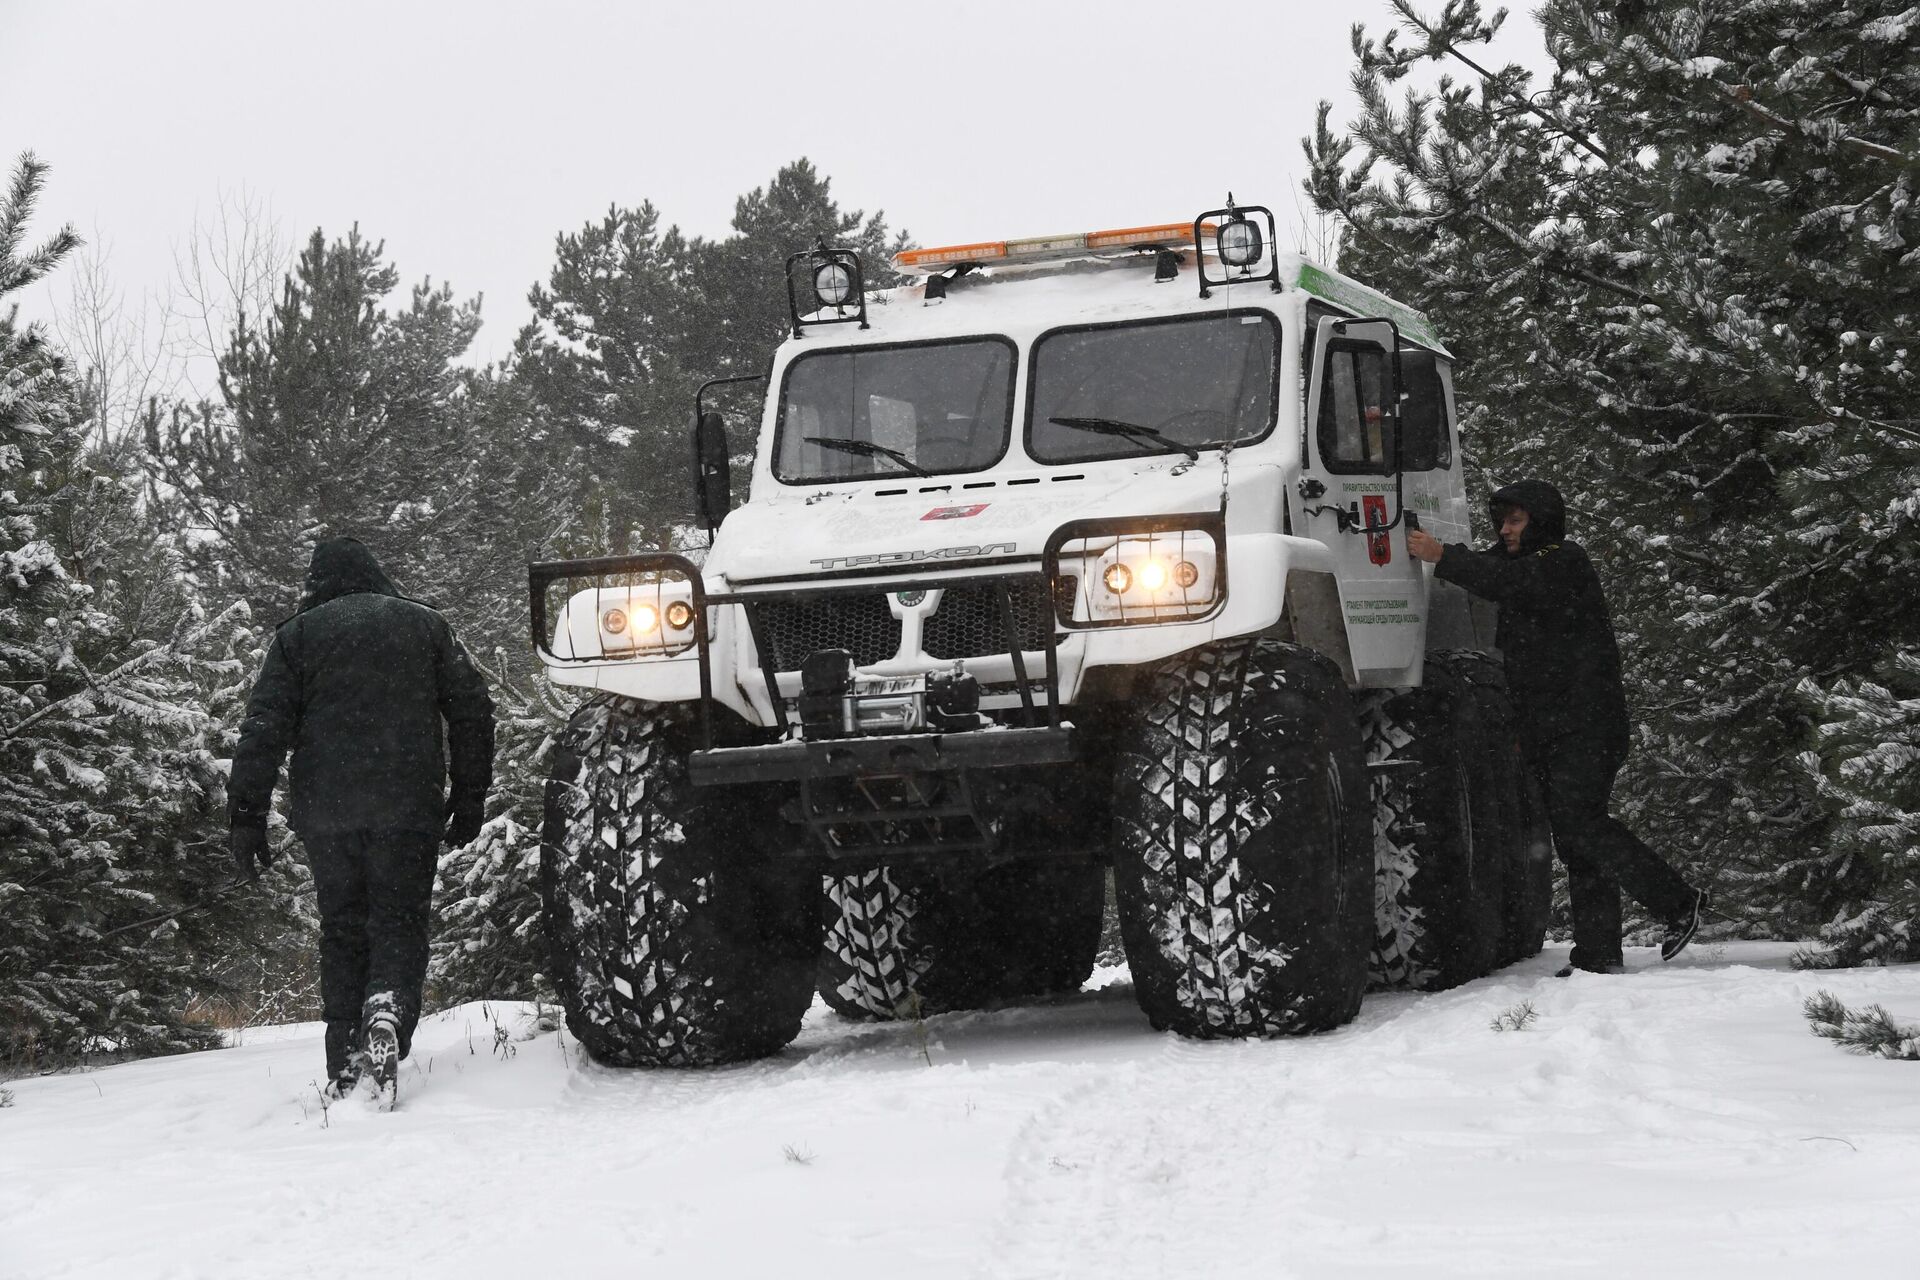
1602,857
375,889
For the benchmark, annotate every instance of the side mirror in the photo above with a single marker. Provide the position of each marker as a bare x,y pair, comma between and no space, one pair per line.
712,473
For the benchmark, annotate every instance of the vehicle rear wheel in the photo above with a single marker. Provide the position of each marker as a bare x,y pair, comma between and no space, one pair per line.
903,942
674,944
1440,843
1243,862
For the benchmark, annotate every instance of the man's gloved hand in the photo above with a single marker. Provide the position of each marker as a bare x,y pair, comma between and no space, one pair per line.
463,820
251,852
1424,545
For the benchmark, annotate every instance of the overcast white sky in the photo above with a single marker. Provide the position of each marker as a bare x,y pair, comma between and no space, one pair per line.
468,135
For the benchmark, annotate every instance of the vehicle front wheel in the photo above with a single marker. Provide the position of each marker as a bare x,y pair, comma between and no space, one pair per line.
676,942
1243,859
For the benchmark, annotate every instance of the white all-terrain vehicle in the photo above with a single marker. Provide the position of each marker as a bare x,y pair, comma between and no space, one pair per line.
1080,553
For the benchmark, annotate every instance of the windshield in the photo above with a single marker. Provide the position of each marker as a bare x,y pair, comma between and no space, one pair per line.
866,412
1170,386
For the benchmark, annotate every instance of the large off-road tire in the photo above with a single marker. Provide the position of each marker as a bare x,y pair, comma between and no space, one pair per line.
1514,794
1441,851
903,942
1243,861
676,941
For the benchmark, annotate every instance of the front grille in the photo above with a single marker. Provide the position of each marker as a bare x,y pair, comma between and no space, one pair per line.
968,623
862,625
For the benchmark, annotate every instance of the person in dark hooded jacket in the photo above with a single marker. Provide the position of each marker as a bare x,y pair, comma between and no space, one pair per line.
1563,671
358,684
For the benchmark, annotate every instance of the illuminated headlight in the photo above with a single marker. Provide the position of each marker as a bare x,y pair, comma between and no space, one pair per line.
833,284
1155,575
1238,243
626,621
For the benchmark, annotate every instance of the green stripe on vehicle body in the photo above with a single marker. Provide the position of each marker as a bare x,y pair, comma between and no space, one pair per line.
1365,302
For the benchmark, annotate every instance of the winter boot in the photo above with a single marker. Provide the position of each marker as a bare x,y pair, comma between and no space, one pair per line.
344,1061
380,1034
1681,928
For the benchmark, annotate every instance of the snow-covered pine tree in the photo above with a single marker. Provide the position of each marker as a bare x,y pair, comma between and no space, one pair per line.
108,768
1867,764
1681,276
343,417
489,940
601,363
522,502
739,306
633,319
340,417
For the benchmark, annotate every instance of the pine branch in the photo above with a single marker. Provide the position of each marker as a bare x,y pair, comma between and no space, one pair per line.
1571,273
1442,42
1743,96
1867,1031
129,667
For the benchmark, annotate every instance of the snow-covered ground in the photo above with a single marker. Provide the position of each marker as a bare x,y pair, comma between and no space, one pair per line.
1678,1121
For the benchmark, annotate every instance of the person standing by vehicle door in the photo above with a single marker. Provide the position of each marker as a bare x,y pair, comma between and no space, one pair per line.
358,684
1563,671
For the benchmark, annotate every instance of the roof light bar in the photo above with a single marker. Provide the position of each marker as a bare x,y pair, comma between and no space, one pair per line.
1041,248
933,259
1127,237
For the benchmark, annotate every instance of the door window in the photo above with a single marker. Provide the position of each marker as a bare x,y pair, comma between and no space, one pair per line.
1355,430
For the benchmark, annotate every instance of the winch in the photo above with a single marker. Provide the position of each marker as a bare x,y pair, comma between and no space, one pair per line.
836,702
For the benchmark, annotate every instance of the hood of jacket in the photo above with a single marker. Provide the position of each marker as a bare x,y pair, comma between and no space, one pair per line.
343,567
1546,512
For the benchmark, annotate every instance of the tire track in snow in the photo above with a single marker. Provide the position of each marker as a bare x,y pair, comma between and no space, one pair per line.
1133,1171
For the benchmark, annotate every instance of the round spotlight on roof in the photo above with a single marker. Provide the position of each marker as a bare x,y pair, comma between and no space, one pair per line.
1239,243
833,284
679,615
1118,578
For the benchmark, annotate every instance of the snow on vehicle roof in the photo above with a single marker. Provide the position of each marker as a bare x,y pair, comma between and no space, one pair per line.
1024,301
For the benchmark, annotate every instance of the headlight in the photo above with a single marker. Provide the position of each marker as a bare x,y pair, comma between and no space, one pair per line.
1138,570
833,284
1238,243
627,621
1158,576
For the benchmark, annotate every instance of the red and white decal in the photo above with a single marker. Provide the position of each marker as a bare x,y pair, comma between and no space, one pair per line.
1373,513
955,513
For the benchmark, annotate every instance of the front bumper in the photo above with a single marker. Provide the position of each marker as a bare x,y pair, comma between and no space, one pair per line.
884,756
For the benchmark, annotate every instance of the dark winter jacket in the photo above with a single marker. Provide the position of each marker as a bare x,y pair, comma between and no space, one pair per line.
357,685
1563,664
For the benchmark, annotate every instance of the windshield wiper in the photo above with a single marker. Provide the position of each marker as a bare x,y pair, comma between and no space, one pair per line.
868,449
1131,430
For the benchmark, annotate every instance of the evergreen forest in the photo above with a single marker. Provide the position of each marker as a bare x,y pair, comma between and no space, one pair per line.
1680,272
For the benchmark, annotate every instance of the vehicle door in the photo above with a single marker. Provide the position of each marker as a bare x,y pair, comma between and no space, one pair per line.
1350,495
